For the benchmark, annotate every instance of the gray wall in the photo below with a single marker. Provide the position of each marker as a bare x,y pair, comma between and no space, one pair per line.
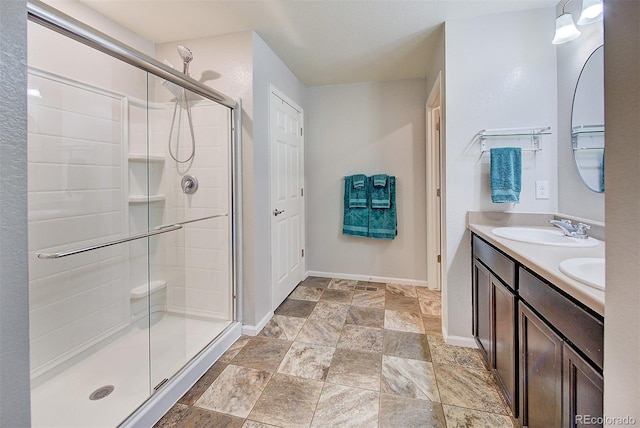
14,299
622,110
574,197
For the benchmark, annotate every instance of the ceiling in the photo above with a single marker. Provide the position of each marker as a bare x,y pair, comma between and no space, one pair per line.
323,42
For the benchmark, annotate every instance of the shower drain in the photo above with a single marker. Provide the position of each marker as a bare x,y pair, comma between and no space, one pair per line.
101,392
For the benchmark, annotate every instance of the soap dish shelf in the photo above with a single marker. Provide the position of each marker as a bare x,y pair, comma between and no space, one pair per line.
533,132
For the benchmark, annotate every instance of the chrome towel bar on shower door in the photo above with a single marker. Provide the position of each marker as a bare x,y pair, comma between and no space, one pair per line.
157,231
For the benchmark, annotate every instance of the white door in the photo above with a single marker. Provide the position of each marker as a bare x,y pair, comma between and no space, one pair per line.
287,202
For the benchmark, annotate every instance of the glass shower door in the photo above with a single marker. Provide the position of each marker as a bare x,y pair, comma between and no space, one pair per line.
189,137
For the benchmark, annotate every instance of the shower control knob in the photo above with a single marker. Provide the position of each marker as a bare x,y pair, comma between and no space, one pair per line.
277,212
189,184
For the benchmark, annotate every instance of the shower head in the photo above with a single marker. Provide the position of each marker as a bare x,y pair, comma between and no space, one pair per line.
187,56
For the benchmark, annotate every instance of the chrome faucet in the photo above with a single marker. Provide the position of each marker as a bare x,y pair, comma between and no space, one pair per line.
578,231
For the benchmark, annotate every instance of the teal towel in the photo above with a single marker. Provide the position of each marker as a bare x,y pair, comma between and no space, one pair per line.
506,174
380,192
380,180
383,223
356,219
357,191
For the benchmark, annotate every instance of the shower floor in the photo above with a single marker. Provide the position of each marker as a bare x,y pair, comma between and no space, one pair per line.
63,401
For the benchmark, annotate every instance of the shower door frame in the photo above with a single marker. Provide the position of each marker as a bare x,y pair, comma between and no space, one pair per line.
161,400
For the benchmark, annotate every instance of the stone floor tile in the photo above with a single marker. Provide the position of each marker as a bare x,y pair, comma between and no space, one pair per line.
281,327
295,308
359,338
315,281
320,332
432,324
262,353
200,418
396,411
401,303
287,401
235,391
370,285
441,353
425,293
333,312
346,407
355,368
342,284
401,290
469,387
459,417
409,378
234,349
406,345
307,361
430,307
403,321
368,299
172,418
337,296
309,293
203,383
253,424
366,317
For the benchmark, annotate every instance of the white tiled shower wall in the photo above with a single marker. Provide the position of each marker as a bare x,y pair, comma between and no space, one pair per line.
81,179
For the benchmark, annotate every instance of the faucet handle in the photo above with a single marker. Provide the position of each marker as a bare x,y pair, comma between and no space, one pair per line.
567,221
581,230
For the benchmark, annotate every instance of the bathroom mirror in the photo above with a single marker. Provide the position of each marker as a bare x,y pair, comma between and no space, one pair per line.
587,122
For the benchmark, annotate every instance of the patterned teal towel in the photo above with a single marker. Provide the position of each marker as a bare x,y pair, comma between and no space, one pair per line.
357,191
506,174
356,219
383,223
380,192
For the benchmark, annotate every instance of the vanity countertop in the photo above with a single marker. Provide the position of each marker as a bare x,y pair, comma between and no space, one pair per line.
545,260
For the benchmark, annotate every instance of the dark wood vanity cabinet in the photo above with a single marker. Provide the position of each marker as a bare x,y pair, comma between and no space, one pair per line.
544,348
494,316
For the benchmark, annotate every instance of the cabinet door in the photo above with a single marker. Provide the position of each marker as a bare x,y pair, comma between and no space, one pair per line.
582,391
481,309
540,372
504,339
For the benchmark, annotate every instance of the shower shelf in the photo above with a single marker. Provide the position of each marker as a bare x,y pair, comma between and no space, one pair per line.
142,199
141,157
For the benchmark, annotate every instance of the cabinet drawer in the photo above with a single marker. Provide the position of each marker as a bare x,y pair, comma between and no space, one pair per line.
581,328
500,264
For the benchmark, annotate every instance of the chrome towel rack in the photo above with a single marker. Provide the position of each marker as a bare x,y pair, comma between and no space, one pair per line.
533,132
156,231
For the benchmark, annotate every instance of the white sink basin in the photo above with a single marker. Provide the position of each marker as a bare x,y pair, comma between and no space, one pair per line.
543,236
589,271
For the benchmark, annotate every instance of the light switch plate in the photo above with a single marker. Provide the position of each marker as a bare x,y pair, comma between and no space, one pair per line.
542,189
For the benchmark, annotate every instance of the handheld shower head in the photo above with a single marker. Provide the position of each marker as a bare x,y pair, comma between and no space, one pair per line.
187,56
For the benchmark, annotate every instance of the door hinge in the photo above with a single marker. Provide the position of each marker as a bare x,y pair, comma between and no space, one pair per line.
303,252
437,126
301,192
439,258
438,192
301,132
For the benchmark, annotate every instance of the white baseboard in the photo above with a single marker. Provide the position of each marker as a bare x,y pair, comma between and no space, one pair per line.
467,342
253,330
384,279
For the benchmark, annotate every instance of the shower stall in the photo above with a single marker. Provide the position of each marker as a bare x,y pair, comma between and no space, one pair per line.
132,188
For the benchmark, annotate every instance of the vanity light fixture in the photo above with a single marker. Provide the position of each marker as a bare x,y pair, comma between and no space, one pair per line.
565,28
591,12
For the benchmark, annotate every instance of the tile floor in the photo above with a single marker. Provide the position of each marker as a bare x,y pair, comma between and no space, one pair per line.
341,353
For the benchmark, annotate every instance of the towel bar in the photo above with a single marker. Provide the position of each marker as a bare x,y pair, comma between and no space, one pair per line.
533,132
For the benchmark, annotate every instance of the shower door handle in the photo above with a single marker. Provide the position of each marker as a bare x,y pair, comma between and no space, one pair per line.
277,212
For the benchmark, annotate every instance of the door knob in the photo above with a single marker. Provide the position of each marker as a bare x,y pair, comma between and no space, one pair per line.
276,212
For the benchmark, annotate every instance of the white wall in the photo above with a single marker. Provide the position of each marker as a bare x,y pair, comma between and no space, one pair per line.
268,69
366,128
622,109
500,73
14,305
574,198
